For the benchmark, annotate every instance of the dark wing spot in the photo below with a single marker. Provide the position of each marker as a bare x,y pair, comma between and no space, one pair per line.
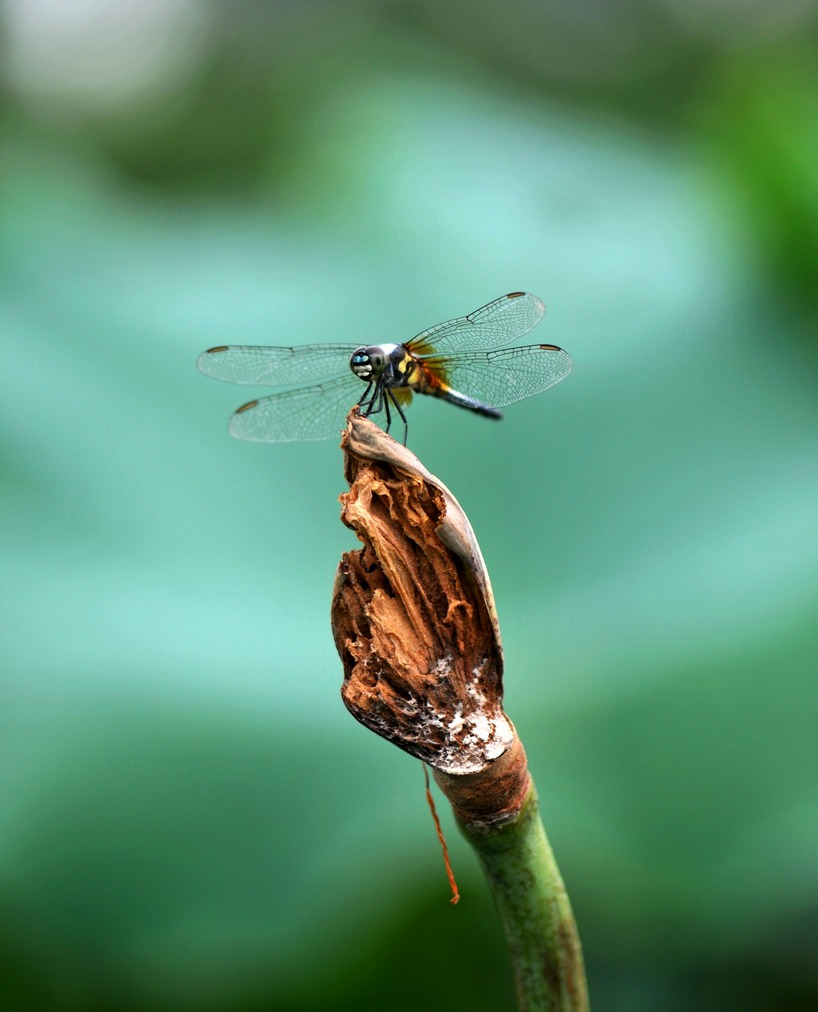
550,347
246,407
213,351
515,295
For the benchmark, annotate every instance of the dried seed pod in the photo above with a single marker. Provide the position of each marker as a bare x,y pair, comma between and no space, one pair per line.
415,624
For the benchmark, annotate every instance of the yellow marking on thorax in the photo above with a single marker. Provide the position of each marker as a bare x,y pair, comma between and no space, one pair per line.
428,380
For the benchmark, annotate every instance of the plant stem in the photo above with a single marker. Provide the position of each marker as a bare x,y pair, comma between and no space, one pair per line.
534,910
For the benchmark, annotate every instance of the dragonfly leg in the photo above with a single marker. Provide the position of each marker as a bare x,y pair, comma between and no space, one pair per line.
374,403
391,397
387,412
367,400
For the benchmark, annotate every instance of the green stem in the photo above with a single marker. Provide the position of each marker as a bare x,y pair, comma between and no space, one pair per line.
534,910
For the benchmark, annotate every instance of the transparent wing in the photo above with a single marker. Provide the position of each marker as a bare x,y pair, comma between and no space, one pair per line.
500,322
309,413
498,378
275,367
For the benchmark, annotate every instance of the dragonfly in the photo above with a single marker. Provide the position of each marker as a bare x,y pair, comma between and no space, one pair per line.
466,362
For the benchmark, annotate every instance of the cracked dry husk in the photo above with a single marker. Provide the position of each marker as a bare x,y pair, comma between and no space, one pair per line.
413,614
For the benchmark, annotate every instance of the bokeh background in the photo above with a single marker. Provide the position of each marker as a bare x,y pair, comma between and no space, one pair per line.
189,818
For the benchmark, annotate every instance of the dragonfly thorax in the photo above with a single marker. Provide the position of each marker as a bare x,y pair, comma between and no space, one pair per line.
379,363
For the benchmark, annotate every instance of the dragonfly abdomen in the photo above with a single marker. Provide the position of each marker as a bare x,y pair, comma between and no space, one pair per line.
424,381
463,401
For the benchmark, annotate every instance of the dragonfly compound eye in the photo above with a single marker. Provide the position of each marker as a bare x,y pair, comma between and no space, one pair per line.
369,362
361,364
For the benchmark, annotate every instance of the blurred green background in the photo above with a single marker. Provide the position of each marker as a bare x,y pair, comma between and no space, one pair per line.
189,819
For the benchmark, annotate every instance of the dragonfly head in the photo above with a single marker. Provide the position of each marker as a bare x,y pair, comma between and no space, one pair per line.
369,362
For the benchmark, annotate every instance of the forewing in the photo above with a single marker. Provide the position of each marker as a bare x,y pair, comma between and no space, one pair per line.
499,378
306,414
492,326
275,367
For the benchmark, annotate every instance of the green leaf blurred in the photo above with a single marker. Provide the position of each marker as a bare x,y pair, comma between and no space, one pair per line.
189,817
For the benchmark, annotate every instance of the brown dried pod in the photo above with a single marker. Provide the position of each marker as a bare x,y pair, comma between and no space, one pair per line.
415,624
